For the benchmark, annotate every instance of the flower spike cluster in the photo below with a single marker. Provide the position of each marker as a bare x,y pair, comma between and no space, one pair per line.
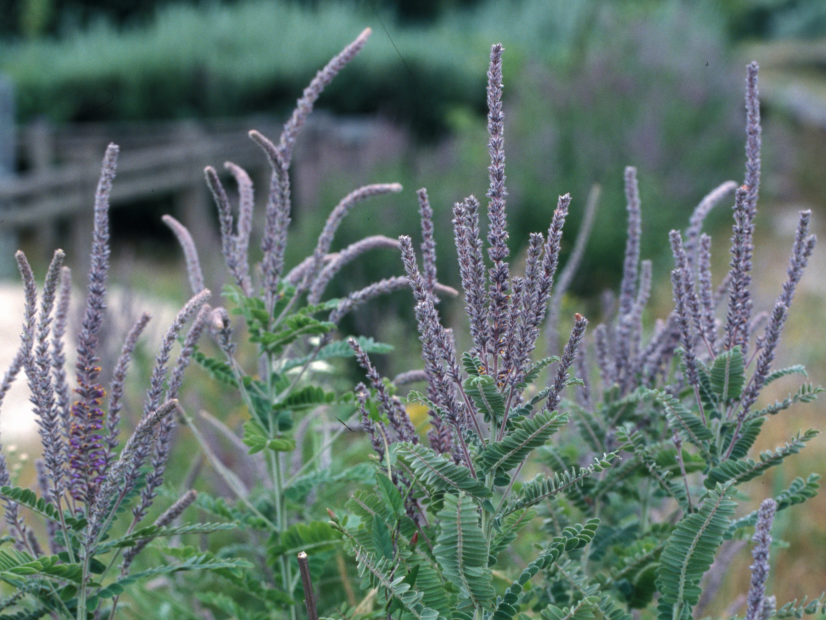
474,400
81,475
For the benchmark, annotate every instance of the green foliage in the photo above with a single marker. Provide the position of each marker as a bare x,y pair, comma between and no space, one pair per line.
738,472
524,438
461,551
437,474
728,375
542,488
689,553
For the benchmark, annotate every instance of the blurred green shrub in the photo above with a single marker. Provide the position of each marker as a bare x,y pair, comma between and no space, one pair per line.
228,60
603,86
624,89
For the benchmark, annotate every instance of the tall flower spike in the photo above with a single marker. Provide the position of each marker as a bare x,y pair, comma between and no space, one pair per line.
246,204
801,251
123,475
228,240
313,91
628,287
10,509
742,248
635,321
338,260
753,136
152,401
709,327
681,262
499,273
377,289
153,394
804,245
563,283
695,223
431,335
566,361
325,239
367,424
686,337
550,262
58,352
760,569
117,388
193,264
541,284
276,220
87,417
603,357
395,412
472,271
171,513
428,241
38,365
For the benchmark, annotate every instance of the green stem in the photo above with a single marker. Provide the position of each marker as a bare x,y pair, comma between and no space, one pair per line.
81,592
230,478
318,453
281,519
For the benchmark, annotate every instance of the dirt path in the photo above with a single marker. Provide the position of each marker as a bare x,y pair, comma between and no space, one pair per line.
17,422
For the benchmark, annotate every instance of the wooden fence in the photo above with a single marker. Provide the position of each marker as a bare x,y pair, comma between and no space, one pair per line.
62,166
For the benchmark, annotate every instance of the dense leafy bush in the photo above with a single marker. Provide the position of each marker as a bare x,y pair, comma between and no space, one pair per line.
638,473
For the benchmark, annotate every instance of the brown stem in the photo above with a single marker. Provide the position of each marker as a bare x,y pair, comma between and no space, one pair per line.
306,581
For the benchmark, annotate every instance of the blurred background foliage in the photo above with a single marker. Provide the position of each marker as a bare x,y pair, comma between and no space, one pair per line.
590,87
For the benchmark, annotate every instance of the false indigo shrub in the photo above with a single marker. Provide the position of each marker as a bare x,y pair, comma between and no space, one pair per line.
86,485
667,433
287,406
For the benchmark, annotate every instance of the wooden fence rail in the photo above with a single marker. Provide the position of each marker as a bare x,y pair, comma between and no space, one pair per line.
62,166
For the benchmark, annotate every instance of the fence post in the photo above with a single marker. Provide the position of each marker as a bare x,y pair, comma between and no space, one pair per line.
8,235
194,203
39,152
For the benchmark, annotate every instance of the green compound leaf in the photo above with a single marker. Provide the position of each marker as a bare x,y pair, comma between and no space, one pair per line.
728,375
437,474
571,538
488,400
682,420
741,471
509,528
29,499
204,561
462,551
689,552
381,575
153,531
382,539
308,397
582,610
472,365
392,497
293,327
217,369
806,393
797,369
543,487
797,493
16,564
340,348
526,436
534,371
256,438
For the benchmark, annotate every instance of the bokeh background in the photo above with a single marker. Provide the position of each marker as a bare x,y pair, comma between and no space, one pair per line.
591,86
